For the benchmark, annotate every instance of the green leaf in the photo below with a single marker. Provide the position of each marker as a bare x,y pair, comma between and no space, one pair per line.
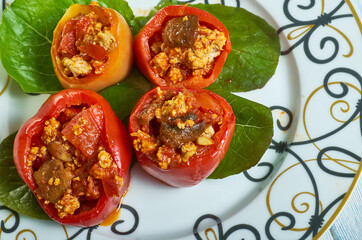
255,49
14,193
252,136
123,96
26,34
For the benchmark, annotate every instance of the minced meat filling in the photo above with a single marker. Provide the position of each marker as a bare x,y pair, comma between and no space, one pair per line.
65,176
175,128
177,63
83,55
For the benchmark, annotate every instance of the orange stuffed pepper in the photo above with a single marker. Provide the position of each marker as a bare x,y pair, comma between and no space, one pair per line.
92,47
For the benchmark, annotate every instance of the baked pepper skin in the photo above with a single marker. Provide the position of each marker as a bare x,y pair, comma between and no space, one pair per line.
119,61
197,168
114,135
156,23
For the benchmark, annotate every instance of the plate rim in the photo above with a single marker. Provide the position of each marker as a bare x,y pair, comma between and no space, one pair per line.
358,174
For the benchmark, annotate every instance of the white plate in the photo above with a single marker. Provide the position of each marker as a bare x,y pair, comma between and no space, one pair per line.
302,181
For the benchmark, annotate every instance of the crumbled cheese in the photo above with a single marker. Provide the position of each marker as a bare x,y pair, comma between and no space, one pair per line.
188,150
104,159
163,160
176,106
50,130
32,156
76,66
50,181
56,182
144,142
188,123
67,205
160,63
105,39
78,128
174,75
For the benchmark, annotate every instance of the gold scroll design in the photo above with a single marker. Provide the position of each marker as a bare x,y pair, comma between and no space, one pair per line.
303,207
5,86
18,235
304,29
212,232
346,109
342,162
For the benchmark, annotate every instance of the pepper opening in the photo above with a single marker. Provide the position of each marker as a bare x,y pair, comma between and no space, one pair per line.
71,164
86,41
185,48
176,126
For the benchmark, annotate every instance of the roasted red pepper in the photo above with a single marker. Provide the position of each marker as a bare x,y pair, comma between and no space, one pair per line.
180,136
74,154
92,47
182,46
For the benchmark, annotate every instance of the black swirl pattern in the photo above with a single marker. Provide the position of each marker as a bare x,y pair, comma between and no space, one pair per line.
333,172
290,115
275,216
260,179
317,217
313,25
237,2
117,223
15,225
89,232
220,230
113,227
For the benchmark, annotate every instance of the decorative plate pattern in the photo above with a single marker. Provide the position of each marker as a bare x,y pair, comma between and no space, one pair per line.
303,180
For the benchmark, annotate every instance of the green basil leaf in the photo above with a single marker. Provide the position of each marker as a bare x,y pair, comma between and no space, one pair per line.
124,95
14,193
26,34
252,136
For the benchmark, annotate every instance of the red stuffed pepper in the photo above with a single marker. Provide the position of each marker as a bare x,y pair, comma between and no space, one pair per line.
92,47
180,136
74,154
182,46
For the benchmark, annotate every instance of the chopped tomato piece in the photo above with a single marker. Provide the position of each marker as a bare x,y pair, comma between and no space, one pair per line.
67,45
110,186
68,26
96,52
207,103
81,27
84,130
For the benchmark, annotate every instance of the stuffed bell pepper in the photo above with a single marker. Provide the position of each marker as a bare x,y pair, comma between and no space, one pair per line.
74,154
180,136
92,47
182,46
